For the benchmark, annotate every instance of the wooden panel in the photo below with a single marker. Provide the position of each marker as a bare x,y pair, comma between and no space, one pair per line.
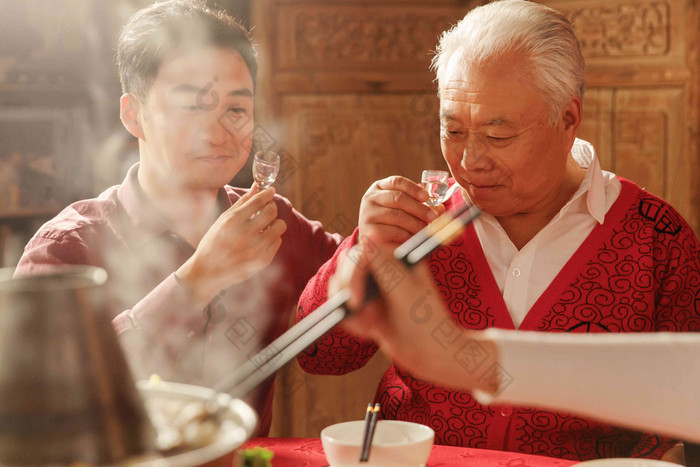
368,82
343,143
348,38
646,53
648,143
305,404
638,134
628,33
692,137
596,77
359,46
596,124
356,102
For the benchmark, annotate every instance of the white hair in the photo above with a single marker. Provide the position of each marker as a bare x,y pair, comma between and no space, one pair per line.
542,35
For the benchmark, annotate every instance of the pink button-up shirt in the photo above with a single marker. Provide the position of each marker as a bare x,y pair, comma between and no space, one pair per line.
163,331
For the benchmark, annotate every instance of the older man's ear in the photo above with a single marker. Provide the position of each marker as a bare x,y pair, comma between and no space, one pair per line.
130,114
571,116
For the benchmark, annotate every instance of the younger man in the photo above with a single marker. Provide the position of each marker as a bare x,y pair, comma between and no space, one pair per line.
203,274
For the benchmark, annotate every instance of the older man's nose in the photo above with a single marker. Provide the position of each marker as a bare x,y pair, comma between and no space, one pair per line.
475,155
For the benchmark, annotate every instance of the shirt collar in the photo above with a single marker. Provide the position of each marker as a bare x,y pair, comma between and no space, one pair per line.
147,221
593,184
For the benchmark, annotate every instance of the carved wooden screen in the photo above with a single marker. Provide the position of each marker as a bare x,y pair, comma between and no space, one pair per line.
353,99
641,106
345,94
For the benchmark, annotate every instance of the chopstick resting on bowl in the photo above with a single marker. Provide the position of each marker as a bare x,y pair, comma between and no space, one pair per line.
368,435
365,431
304,333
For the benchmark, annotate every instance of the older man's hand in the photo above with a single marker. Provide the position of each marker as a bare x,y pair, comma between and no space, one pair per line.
393,209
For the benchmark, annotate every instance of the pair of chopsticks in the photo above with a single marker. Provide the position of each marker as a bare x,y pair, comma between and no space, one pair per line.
368,435
304,333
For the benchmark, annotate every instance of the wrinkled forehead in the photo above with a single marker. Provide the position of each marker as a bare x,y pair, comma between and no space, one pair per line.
465,78
463,66
498,88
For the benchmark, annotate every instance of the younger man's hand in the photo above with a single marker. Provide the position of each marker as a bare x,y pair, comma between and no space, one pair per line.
241,242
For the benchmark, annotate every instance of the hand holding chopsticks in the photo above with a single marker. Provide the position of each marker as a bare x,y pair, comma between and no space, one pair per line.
266,362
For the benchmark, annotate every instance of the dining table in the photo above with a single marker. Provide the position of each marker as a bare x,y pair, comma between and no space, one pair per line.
308,452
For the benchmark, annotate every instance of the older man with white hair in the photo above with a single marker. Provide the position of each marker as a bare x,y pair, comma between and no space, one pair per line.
563,246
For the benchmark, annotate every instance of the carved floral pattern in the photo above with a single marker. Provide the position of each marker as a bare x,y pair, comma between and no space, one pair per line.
637,272
622,30
331,36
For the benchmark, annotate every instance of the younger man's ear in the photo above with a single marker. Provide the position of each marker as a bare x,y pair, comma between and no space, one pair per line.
130,113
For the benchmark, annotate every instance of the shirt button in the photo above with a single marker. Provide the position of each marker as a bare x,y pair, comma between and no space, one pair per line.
516,272
506,411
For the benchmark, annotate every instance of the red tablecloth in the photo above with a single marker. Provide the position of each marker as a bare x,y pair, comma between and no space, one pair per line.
308,452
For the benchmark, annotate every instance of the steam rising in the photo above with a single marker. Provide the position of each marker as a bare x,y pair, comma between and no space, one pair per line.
236,323
242,318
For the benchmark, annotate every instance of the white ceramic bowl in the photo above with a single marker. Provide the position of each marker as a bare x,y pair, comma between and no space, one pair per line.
395,444
620,462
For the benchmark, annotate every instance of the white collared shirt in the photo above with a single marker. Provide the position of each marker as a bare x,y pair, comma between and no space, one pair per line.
522,276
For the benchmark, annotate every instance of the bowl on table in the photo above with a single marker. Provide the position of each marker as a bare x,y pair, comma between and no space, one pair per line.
395,444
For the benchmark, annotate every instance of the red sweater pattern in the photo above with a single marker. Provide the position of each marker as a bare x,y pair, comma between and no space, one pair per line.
639,271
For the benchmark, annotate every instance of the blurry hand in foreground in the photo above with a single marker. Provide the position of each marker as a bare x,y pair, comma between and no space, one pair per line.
408,316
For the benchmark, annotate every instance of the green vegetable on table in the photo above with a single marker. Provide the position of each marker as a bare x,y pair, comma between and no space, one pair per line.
254,457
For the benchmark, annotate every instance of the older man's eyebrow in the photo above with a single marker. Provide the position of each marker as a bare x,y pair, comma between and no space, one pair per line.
190,89
498,122
444,115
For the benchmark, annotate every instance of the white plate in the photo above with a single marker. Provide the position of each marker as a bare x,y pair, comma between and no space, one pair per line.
620,462
238,424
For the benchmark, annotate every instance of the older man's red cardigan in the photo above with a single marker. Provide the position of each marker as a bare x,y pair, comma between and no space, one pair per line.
639,271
